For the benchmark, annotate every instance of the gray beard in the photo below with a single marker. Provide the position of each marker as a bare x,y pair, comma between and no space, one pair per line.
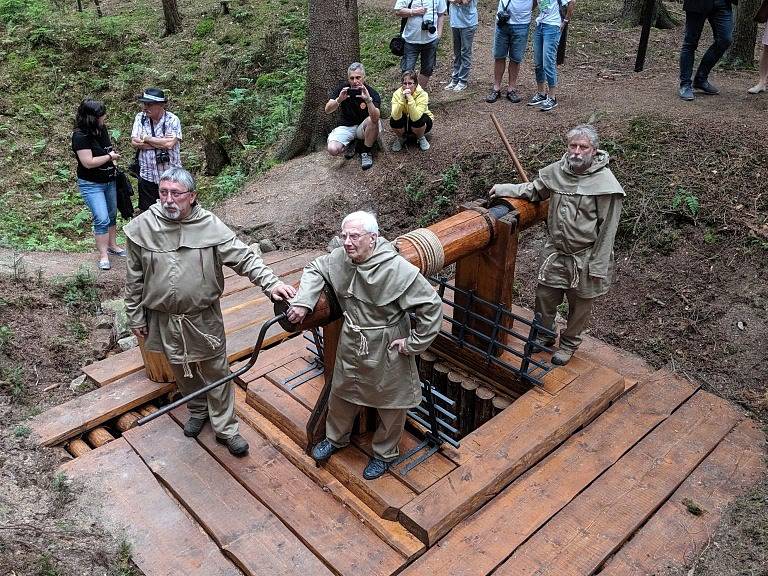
577,165
175,215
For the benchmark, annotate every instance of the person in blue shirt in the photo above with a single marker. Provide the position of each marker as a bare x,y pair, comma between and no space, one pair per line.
463,17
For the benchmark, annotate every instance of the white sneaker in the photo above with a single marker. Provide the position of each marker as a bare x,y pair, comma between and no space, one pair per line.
423,143
460,86
397,145
451,85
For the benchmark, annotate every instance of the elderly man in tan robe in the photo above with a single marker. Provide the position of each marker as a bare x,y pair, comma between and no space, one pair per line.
585,202
176,251
375,360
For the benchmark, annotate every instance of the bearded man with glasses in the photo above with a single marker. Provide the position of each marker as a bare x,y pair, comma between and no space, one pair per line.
174,282
375,365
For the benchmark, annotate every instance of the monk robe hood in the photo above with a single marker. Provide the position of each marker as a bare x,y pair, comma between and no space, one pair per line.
154,231
598,180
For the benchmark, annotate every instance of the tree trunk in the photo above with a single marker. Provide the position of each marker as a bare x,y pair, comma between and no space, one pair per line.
632,11
741,54
333,44
172,17
216,156
98,8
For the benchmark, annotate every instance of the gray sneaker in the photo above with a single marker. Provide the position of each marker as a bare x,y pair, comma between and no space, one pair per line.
366,160
537,99
548,104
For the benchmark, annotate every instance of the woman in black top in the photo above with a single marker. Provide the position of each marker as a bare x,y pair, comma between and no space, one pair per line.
96,175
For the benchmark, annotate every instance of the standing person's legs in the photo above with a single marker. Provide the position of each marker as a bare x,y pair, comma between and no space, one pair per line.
550,40
547,301
340,420
148,193
517,45
579,311
721,21
428,59
465,55
110,195
457,50
386,438
694,24
762,83
95,197
410,55
538,58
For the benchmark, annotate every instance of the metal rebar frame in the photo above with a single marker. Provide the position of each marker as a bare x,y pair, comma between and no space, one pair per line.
530,369
316,365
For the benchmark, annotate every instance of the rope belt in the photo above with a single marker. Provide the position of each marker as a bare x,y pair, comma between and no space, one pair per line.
428,247
576,264
362,350
213,341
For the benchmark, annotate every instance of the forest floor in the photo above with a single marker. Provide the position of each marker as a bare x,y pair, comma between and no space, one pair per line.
691,289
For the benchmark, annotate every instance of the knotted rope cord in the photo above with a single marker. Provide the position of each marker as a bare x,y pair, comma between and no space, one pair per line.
213,341
576,263
363,348
429,248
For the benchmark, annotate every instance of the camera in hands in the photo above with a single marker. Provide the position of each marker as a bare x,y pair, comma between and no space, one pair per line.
502,19
352,92
429,26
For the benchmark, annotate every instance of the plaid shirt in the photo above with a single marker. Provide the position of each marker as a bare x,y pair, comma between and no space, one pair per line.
169,125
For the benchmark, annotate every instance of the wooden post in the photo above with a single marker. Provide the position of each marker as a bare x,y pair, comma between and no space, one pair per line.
467,405
316,423
156,364
440,377
453,385
127,421
483,406
99,436
426,363
77,447
499,404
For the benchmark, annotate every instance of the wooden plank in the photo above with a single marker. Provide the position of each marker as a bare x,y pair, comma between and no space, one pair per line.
272,358
434,512
95,407
115,367
281,264
593,526
164,540
673,536
385,495
347,545
480,543
391,532
243,527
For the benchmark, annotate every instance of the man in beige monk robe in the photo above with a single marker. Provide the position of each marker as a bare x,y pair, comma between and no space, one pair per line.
375,359
176,251
585,202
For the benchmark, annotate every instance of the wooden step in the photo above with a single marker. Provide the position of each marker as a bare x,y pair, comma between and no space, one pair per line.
480,543
390,531
164,539
593,526
675,535
335,535
243,527
385,495
434,512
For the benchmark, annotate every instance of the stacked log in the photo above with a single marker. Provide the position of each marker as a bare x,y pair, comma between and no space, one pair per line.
99,436
147,409
426,362
483,406
440,377
499,404
127,421
467,405
78,447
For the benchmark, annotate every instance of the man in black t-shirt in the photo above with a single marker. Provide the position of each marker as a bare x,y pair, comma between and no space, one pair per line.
358,105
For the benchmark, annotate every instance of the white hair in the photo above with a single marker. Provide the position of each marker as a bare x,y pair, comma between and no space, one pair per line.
584,130
367,219
356,66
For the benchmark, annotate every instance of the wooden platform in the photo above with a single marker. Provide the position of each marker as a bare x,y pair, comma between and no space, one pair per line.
594,472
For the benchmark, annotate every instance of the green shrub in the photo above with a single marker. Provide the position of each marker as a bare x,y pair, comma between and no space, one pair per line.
204,27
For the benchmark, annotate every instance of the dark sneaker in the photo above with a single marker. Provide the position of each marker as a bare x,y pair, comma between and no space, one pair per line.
323,450
493,95
237,445
513,97
562,357
366,160
707,87
193,426
548,104
349,151
537,99
375,468
686,93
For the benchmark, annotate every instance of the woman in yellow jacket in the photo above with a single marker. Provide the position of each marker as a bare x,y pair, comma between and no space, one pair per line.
410,112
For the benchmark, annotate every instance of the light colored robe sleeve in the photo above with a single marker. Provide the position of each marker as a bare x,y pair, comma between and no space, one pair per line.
134,287
235,254
312,282
608,217
422,299
534,191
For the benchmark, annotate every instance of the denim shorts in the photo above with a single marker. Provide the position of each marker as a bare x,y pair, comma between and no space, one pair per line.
510,42
102,202
428,53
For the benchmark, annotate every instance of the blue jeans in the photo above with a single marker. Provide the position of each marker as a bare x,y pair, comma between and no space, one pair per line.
462,53
102,202
721,20
545,40
428,54
510,42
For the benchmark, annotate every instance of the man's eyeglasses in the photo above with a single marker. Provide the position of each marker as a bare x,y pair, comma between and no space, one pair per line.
353,237
175,194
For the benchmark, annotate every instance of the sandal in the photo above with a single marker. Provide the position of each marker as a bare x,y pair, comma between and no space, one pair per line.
493,95
118,252
104,265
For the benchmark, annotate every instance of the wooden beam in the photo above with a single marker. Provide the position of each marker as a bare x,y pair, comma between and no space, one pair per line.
465,490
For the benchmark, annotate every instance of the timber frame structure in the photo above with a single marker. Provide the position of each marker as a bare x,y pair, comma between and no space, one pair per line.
588,468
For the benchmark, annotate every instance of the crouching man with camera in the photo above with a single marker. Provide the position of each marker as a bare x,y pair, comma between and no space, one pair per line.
423,28
156,136
360,118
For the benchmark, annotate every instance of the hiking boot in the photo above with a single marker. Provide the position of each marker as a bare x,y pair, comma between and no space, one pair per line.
513,96
548,104
562,357
237,445
423,143
349,151
493,95
451,85
366,160
460,86
543,342
323,450
397,145
193,426
537,99
707,87
686,93
375,469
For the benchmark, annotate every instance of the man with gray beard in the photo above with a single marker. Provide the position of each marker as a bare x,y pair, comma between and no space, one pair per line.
585,202
176,250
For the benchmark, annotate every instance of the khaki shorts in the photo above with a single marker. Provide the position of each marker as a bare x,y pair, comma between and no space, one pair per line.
345,134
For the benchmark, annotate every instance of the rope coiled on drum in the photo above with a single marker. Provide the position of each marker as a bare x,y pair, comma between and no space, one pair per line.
429,249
